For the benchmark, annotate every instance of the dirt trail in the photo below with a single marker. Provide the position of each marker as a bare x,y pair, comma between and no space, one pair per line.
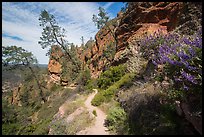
98,128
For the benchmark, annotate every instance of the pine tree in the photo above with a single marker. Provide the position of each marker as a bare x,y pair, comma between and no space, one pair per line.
53,34
15,57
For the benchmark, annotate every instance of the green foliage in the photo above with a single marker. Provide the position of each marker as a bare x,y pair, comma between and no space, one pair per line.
94,112
116,120
55,87
42,128
8,112
10,129
102,18
17,56
159,78
84,77
51,31
98,99
175,94
55,35
107,95
70,69
110,76
110,51
91,84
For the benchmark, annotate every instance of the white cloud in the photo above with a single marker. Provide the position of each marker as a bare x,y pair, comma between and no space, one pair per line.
37,51
106,6
21,20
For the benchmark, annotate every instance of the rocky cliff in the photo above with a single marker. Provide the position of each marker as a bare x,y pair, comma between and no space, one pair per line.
93,56
140,19
54,65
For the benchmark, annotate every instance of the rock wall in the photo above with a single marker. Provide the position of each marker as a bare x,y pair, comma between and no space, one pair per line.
144,18
140,18
93,56
54,65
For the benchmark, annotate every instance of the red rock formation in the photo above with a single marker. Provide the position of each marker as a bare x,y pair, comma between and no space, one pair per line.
146,17
94,54
141,18
54,66
16,96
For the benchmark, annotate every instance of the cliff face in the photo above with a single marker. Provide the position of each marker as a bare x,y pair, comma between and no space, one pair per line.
145,18
54,65
140,18
93,56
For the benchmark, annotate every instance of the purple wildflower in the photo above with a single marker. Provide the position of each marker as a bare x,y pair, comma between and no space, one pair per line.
191,68
186,41
189,77
198,42
177,79
183,56
154,63
191,51
185,87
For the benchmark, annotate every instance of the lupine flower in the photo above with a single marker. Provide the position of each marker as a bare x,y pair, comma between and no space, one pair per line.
154,63
186,41
191,51
185,87
174,50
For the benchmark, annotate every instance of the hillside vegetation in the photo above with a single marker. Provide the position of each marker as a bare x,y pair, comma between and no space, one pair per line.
146,65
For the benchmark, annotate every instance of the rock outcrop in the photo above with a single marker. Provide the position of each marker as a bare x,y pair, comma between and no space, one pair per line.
15,99
144,18
93,56
140,19
54,65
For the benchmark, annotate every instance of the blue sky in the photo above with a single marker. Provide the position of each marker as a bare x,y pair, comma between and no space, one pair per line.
20,25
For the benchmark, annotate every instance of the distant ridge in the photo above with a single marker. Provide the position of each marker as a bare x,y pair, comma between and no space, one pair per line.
42,65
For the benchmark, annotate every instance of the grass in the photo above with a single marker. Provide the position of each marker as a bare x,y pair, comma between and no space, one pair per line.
70,107
61,127
106,106
79,123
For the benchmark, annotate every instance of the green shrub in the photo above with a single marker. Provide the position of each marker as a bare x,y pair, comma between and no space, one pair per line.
117,120
91,84
110,76
84,77
94,112
110,51
55,87
106,95
98,99
10,129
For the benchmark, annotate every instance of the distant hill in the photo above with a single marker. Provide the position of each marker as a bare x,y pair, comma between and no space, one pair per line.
42,65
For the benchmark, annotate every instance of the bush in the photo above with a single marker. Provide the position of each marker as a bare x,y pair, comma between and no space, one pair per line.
91,84
110,76
116,120
180,55
94,112
106,95
84,77
55,87
98,99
